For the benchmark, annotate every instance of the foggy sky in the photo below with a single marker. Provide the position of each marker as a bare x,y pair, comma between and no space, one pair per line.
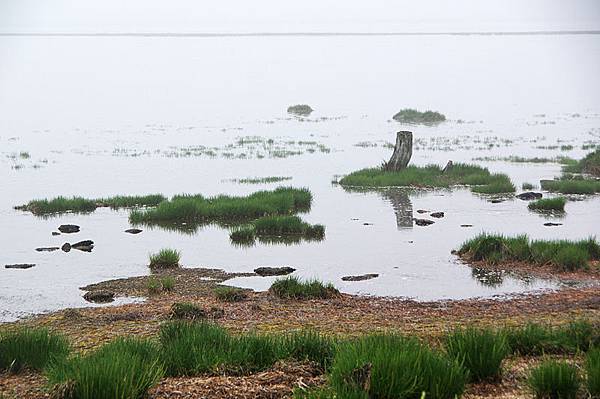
239,16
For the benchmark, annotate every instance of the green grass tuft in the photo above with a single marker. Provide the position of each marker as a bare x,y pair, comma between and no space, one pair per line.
592,368
293,288
571,186
548,204
31,348
187,310
230,294
165,258
277,226
398,368
300,109
527,186
553,379
409,115
225,209
481,180
82,205
481,352
123,369
564,254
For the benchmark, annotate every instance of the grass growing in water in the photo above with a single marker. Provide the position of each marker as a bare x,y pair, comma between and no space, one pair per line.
481,352
165,258
589,164
409,115
230,294
293,288
300,109
554,379
285,226
432,176
564,254
527,186
592,368
123,369
399,368
223,208
30,348
262,180
548,204
567,185
79,204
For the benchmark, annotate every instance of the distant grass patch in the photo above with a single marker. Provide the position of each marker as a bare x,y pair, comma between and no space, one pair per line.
592,368
570,185
30,348
548,204
279,226
123,369
409,115
300,109
165,258
479,178
527,186
395,367
262,180
589,164
230,294
554,379
481,352
226,209
564,254
293,288
79,204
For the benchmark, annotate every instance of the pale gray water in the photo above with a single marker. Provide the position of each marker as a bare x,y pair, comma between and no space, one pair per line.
101,116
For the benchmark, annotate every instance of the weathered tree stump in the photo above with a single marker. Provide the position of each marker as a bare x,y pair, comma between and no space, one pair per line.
402,152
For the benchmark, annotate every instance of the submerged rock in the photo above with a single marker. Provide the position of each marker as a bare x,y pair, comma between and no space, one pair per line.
47,249
551,224
422,211
437,215
66,247
85,245
20,266
274,271
496,200
99,296
466,225
423,222
361,277
529,196
133,231
55,233
68,228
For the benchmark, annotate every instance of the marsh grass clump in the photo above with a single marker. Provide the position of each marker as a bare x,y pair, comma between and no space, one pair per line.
564,254
292,287
395,367
589,164
592,368
230,294
31,348
555,380
263,180
225,209
122,369
310,345
480,179
83,205
300,109
165,258
167,283
481,352
527,186
243,235
548,204
567,185
268,227
156,286
409,115
187,310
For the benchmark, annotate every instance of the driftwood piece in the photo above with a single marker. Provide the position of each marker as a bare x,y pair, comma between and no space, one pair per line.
402,151
447,167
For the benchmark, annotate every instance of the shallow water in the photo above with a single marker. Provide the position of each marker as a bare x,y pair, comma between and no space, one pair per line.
101,116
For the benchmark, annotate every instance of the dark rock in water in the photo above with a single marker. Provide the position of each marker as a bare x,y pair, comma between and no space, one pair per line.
274,271
55,233
367,224
68,228
66,247
133,231
47,249
421,211
496,200
528,196
423,222
99,296
466,225
20,266
361,277
85,245
550,224
437,215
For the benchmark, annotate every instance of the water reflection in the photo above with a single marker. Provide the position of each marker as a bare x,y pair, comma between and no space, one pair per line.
488,278
402,206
